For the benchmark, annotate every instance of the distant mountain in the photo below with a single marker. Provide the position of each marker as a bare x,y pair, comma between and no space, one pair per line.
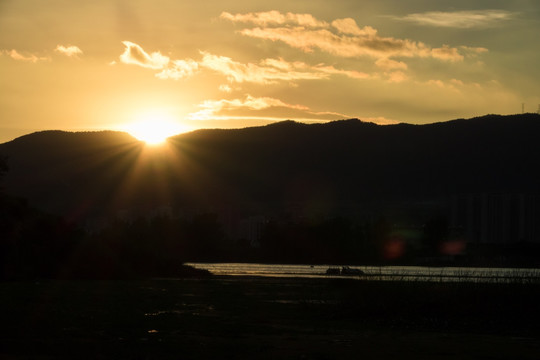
283,167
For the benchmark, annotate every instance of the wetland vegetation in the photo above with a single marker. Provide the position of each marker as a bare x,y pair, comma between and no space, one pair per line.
268,318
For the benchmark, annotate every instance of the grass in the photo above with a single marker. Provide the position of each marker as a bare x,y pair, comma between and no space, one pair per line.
268,318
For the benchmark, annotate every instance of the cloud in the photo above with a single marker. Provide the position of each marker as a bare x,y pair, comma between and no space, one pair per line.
275,18
179,70
447,53
380,120
437,83
453,85
349,26
175,69
225,88
71,51
239,72
14,54
210,108
396,76
345,46
244,109
459,19
272,70
134,54
473,51
268,71
389,64
349,73
344,38
457,82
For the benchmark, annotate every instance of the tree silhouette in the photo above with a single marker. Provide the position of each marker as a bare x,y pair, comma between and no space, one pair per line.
435,232
3,169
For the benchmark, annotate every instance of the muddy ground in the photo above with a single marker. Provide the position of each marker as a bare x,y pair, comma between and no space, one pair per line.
268,318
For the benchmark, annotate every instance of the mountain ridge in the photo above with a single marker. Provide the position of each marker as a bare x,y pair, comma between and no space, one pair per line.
271,169
282,124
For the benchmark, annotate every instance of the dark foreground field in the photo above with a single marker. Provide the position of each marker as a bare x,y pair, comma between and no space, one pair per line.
267,318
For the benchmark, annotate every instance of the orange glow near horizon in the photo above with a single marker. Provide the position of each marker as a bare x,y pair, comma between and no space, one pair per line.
218,65
154,127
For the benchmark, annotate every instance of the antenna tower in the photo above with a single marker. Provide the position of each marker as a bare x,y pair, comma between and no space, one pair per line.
523,108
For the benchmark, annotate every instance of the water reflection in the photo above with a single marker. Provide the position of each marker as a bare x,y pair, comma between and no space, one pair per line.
379,273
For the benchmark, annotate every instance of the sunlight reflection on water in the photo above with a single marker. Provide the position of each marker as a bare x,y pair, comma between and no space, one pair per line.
385,273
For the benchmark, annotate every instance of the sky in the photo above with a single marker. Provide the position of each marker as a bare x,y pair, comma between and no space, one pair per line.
175,65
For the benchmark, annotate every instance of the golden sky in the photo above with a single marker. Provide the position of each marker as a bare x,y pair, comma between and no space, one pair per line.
105,64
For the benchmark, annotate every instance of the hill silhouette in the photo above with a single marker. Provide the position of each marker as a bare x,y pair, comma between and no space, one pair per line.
287,166
340,192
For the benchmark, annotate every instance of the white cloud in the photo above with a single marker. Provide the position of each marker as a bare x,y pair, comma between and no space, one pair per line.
348,73
446,53
239,72
272,70
453,85
179,70
437,83
258,108
275,18
347,39
457,82
134,54
211,108
225,88
349,26
380,120
268,71
396,76
15,55
459,19
473,51
71,50
389,64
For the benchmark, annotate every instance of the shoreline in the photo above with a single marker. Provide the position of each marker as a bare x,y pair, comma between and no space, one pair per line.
377,273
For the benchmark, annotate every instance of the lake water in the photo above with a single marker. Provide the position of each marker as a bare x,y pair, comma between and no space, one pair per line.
380,273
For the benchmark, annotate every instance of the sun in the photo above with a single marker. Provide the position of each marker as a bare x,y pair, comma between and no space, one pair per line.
154,128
